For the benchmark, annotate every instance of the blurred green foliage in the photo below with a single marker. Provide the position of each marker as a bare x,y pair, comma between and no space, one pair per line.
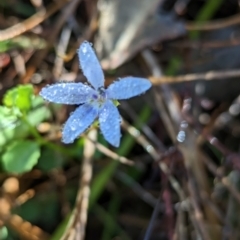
22,42
20,114
20,97
19,7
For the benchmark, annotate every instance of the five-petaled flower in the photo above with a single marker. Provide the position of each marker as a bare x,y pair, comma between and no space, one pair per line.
95,102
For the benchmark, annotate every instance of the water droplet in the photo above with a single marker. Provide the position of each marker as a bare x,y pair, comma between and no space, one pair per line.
36,78
181,136
149,148
234,109
200,89
134,132
84,49
183,124
74,124
207,104
204,118
213,140
224,118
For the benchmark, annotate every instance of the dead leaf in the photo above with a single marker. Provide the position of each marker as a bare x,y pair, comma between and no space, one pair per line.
125,27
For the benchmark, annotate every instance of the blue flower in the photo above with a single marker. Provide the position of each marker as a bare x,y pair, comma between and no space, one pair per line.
95,102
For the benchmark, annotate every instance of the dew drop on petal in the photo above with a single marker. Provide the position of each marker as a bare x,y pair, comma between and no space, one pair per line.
73,125
84,49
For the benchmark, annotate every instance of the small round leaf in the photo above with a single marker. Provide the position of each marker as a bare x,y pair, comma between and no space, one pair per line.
21,156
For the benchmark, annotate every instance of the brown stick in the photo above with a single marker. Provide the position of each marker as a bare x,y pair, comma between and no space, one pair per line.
32,21
211,75
213,25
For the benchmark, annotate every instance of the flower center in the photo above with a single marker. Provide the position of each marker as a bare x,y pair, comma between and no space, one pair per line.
100,97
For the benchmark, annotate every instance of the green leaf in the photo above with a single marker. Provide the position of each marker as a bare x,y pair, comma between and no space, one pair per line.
4,46
61,228
7,118
21,156
13,128
24,42
116,102
20,97
3,233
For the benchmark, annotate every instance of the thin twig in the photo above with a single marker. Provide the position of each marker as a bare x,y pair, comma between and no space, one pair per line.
188,146
198,214
225,181
157,73
32,21
155,155
211,75
137,188
18,62
25,229
88,33
106,151
39,56
213,25
145,128
152,221
77,223
61,49
232,42
24,197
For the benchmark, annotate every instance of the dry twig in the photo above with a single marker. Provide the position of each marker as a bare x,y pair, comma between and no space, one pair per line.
213,25
208,76
77,223
31,22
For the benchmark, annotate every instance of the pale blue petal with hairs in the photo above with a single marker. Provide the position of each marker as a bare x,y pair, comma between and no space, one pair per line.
109,120
78,122
90,65
128,87
67,93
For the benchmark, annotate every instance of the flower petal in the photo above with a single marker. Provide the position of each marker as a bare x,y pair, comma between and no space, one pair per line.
67,93
78,122
90,65
109,120
128,87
